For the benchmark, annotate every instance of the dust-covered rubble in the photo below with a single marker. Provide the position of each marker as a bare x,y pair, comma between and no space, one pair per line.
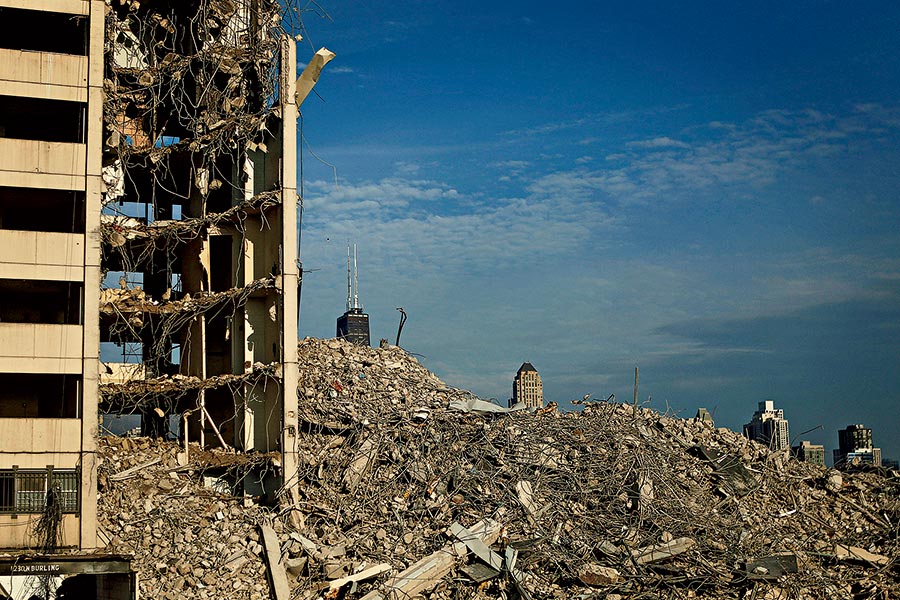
400,494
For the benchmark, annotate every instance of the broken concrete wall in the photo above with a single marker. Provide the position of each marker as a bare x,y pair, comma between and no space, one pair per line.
199,209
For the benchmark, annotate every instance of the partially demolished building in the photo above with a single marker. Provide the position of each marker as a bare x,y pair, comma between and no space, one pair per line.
148,159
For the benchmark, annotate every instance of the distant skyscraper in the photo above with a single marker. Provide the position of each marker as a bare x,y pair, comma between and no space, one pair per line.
809,452
769,427
855,446
527,387
353,325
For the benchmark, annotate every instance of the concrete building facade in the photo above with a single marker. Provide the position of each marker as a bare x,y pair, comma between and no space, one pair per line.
148,169
855,446
809,452
527,387
769,427
51,128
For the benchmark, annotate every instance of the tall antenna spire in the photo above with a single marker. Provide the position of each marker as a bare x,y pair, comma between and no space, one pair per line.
355,280
349,281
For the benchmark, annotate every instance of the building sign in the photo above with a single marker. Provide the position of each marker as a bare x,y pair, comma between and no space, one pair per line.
63,567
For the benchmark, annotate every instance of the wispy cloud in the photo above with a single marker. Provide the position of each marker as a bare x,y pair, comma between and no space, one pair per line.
659,142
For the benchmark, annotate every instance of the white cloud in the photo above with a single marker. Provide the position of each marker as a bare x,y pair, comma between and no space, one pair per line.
510,164
659,142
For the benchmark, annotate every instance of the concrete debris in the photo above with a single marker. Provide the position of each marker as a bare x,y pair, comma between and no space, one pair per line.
144,238
384,498
126,303
598,575
140,393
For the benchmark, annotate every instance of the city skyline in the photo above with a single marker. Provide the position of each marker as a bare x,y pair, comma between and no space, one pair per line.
708,192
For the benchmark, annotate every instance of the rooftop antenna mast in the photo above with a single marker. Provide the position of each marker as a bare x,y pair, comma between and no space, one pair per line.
352,281
349,281
355,281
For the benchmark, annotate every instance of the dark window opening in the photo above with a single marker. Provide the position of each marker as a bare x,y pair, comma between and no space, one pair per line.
26,490
220,263
225,187
42,120
27,209
43,31
47,302
39,396
218,345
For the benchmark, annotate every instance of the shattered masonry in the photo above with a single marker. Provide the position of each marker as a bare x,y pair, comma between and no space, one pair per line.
612,501
199,221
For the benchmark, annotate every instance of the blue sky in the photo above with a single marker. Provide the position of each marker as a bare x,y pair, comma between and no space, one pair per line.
706,190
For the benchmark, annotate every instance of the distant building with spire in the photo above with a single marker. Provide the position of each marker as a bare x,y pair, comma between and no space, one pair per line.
527,387
353,325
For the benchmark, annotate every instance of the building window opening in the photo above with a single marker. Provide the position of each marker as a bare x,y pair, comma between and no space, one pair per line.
42,120
26,209
129,353
25,490
124,280
39,396
46,302
43,31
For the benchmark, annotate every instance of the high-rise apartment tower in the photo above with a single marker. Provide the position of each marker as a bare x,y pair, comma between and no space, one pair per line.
769,427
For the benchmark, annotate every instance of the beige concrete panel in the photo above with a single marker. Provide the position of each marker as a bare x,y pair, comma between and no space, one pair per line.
95,132
19,247
42,90
93,206
52,248
57,341
56,435
48,68
288,225
63,69
20,364
88,521
41,345
40,272
44,181
25,251
16,341
19,65
95,48
74,7
30,156
16,533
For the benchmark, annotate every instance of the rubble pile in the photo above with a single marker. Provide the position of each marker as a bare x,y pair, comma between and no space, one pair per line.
188,540
408,488
611,498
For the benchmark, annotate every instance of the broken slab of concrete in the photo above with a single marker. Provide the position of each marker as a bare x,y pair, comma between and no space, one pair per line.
853,553
277,576
662,551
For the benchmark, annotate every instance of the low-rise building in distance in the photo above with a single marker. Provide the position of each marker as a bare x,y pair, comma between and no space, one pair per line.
809,452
